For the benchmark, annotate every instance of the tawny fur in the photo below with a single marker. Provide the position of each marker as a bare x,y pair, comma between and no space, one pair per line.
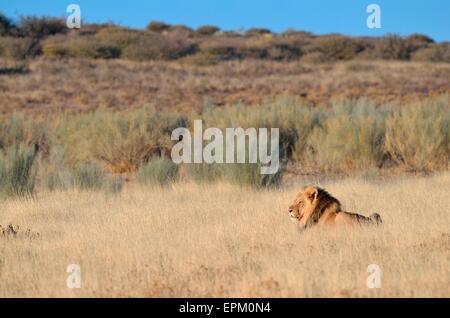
315,206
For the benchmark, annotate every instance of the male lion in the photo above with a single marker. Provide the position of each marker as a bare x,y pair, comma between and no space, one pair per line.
314,205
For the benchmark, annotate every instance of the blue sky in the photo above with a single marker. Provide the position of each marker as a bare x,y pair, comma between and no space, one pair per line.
430,17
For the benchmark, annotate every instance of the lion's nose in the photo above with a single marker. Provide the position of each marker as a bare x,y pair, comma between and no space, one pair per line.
290,210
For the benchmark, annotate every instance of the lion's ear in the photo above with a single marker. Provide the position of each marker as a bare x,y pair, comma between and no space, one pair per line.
312,194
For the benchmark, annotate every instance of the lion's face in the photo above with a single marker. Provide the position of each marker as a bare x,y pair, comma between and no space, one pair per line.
303,206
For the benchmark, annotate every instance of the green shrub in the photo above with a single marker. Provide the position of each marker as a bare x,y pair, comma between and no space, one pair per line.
158,171
114,184
348,138
245,174
88,177
202,172
17,173
418,136
59,180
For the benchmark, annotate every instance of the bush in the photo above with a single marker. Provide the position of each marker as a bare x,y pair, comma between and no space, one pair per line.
124,143
202,172
39,27
88,177
6,25
17,173
59,180
436,53
349,137
84,47
393,47
245,174
418,136
159,47
158,26
336,47
158,171
17,131
19,48
257,32
207,30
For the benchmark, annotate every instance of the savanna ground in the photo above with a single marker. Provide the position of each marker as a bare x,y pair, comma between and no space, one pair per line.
205,240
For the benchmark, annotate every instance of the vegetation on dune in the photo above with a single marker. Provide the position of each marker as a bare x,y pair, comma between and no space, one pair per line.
353,135
34,36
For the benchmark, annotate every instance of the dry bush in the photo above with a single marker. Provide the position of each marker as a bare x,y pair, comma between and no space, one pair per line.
207,30
39,27
124,143
19,48
393,47
418,136
6,25
158,26
82,47
159,47
19,130
257,32
436,53
336,47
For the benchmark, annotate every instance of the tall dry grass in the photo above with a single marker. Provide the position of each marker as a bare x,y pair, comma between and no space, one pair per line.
223,240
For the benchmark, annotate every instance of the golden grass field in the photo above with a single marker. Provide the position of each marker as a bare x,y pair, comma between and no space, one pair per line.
222,240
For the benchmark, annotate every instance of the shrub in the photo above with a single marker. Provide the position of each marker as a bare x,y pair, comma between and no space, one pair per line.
245,174
349,137
88,176
5,25
435,53
202,172
19,48
393,47
17,173
16,131
159,47
419,39
59,180
124,143
418,136
337,47
206,30
84,47
158,26
257,32
39,27
158,171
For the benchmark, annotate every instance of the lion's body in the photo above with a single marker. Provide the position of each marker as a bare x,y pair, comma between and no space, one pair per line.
315,206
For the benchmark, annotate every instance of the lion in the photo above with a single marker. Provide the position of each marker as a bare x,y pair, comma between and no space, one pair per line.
315,206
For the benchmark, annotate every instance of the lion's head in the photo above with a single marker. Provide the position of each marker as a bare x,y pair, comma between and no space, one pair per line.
310,204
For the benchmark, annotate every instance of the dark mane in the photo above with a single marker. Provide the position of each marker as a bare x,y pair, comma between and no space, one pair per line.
325,200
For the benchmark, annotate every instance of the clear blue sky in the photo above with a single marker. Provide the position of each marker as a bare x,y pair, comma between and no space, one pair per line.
430,17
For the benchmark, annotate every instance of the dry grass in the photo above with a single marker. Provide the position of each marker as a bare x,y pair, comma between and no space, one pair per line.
180,241
81,85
